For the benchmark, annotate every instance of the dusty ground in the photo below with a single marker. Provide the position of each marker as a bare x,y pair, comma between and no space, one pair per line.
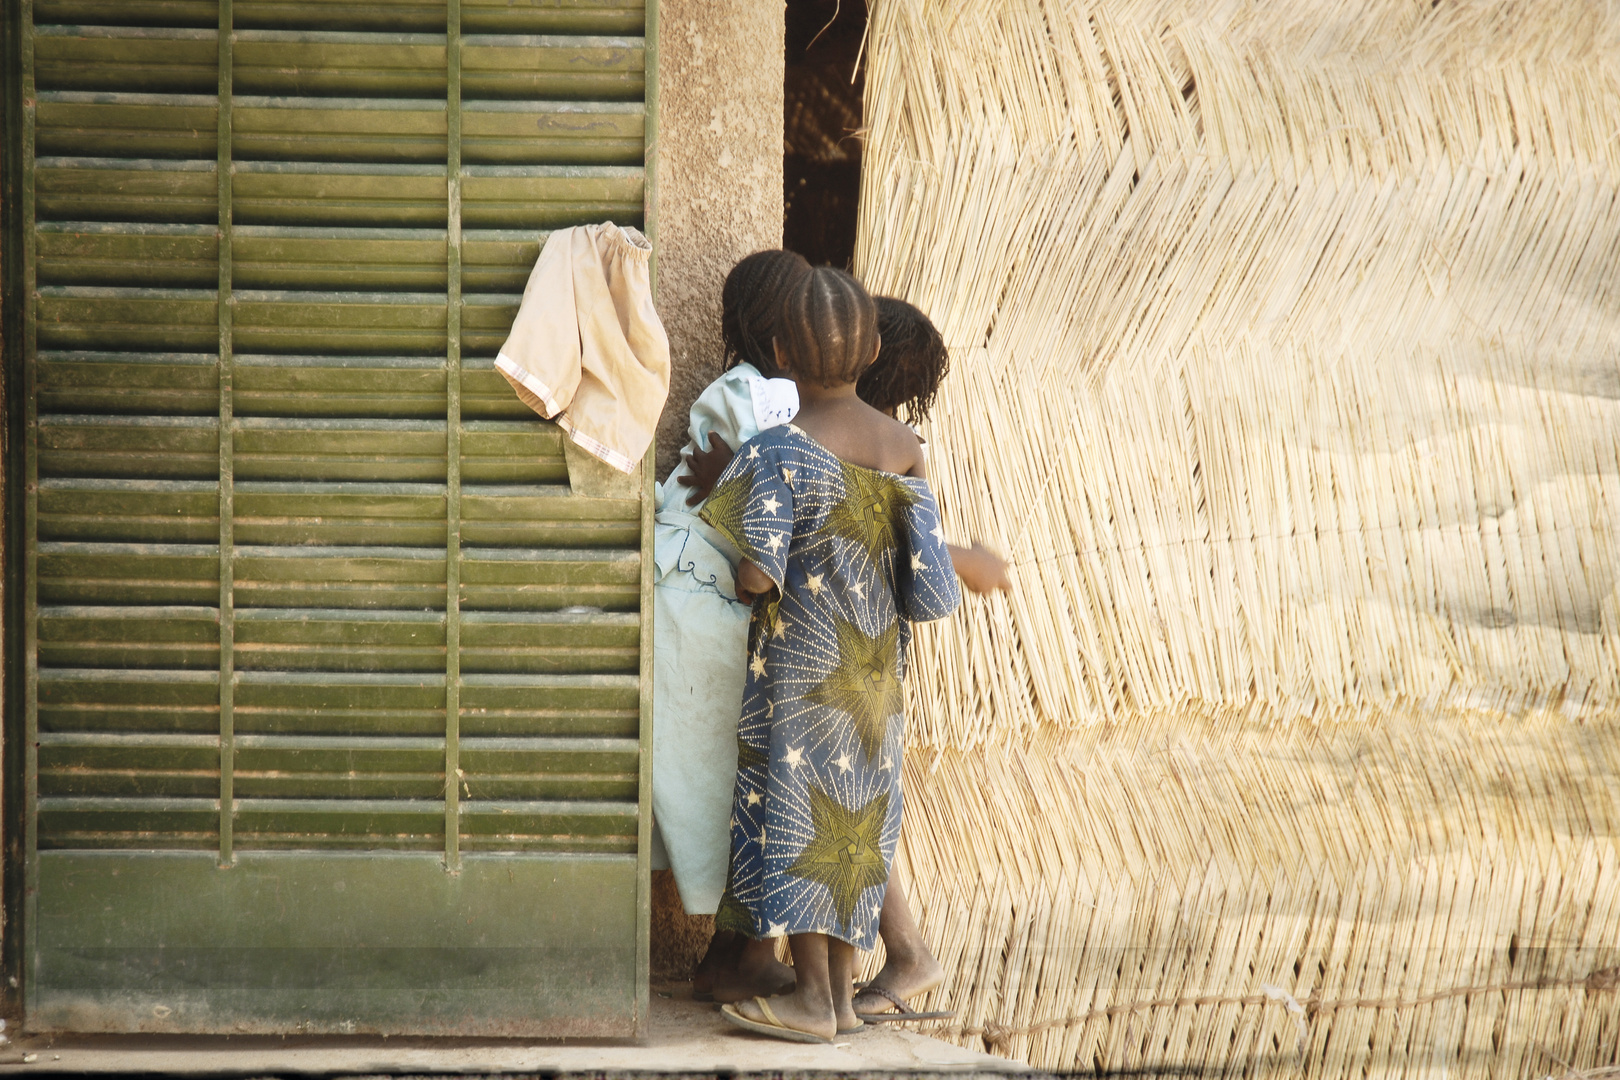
686,1037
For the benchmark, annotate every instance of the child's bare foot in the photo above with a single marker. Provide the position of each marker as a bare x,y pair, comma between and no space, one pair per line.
906,976
802,1012
756,973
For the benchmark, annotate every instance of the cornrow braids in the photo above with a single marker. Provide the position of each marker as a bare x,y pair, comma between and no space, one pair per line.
910,365
829,328
751,305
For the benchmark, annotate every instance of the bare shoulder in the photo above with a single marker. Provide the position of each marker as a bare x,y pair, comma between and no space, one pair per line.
902,446
855,432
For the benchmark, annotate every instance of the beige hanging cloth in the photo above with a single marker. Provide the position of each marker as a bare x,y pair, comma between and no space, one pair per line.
587,349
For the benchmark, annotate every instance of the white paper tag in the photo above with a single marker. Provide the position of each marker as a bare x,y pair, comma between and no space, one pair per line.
776,401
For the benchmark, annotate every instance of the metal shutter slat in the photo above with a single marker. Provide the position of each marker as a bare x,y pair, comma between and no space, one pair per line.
127,253
125,190
131,511
361,259
552,16
272,513
354,194
310,576
84,123
175,384
163,703
303,62
140,13
150,59
549,196
553,67
78,573
94,317
339,386
129,637
135,447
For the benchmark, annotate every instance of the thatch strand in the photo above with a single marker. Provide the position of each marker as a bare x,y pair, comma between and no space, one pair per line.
1286,369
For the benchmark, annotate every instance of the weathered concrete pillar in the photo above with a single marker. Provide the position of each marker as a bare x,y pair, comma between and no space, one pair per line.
718,198
719,175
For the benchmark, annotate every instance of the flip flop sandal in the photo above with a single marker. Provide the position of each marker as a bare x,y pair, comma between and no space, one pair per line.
860,1025
775,1028
902,1011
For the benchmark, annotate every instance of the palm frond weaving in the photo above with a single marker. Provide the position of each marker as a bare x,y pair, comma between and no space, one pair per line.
1286,370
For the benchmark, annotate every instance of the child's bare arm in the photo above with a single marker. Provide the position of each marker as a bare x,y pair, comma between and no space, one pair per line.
752,582
981,570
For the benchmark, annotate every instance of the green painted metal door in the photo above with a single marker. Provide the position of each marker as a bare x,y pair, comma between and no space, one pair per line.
330,684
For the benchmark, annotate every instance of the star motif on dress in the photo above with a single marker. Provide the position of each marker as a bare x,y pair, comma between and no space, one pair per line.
794,756
843,761
776,929
813,582
795,428
753,453
734,821
762,836
872,511
757,666
917,563
780,627
772,504
844,853
774,543
888,762
753,797
863,682
858,588
937,533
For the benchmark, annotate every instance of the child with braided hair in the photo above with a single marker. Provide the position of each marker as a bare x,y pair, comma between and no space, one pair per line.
842,551
699,627
906,375
699,668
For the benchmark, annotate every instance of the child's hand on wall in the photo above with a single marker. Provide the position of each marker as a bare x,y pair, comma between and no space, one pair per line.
706,467
982,570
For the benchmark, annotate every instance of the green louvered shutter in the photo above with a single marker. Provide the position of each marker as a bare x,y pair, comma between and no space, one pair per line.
332,683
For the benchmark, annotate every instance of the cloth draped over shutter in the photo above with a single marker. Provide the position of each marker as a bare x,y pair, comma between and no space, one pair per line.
587,348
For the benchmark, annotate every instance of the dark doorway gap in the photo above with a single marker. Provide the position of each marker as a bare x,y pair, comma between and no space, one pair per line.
821,154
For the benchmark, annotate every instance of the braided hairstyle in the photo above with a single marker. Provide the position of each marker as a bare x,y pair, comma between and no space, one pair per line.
910,365
829,327
751,305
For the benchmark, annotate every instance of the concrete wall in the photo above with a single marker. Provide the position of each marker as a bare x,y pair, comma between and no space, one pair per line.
719,176
719,197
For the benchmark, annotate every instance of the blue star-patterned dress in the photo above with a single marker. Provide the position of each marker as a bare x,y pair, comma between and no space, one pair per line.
857,556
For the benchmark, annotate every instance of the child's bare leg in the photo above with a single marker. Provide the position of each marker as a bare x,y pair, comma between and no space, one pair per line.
757,972
810,1006
725,947
841,975
909,967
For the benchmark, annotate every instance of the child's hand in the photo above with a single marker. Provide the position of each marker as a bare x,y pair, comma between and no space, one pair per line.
981,570
706,467
752,582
